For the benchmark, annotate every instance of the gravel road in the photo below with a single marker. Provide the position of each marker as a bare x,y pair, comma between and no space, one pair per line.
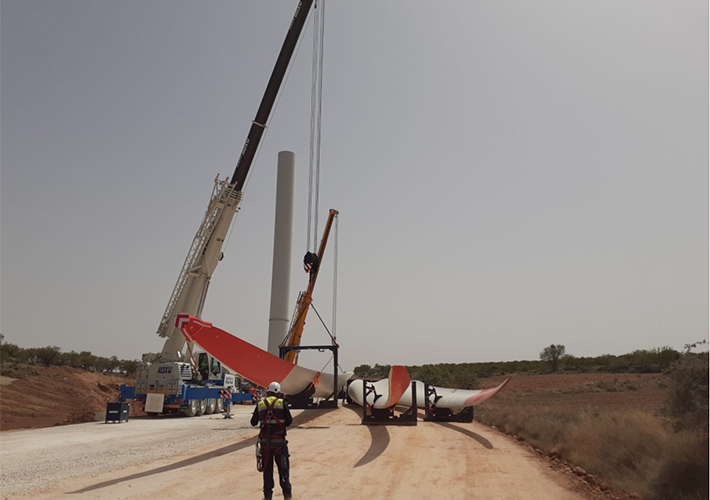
332,455
40,459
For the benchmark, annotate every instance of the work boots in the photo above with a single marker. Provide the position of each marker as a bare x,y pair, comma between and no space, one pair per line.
268,496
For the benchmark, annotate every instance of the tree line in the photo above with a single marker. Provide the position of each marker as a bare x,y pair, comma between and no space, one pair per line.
459,375
553,358
53,356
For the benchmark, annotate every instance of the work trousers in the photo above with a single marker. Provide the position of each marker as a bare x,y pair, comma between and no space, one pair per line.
281,457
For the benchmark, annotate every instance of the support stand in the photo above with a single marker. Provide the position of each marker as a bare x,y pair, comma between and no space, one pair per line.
434,414
304,400
386,416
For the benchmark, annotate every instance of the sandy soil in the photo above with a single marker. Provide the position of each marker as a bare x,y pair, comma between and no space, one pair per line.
44,397
334,456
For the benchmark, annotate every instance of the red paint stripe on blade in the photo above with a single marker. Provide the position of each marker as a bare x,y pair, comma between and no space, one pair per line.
399,383
244,358
485,394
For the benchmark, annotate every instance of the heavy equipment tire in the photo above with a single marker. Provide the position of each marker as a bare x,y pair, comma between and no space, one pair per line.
192,406
211,406
201,407
220,406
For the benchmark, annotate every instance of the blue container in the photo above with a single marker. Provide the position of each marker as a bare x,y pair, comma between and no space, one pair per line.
117,412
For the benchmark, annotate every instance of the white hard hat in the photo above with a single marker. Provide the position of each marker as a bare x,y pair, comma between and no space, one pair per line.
274,387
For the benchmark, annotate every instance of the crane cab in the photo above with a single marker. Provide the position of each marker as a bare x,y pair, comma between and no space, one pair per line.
208,367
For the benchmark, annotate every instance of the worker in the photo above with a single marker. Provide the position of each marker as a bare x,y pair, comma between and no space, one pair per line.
204,367
273,416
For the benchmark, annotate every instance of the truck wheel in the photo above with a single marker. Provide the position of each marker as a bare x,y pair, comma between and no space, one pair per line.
211,406
192,407
220,406
201,407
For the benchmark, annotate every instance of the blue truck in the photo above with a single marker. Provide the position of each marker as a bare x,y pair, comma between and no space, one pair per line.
181,387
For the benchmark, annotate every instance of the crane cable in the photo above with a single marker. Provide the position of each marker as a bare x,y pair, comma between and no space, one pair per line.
316,114
315,155
266,128
335,281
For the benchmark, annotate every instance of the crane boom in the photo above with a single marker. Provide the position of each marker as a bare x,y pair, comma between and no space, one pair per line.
205,252
272,89
305,298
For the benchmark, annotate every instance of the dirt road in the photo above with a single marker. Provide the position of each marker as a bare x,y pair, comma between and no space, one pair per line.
332,456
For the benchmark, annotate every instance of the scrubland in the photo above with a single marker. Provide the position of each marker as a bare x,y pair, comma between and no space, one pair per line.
632,451
657,450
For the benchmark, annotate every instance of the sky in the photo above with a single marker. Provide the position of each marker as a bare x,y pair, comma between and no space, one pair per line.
509,174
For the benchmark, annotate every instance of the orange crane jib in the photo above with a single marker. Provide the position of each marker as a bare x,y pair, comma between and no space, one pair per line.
311,263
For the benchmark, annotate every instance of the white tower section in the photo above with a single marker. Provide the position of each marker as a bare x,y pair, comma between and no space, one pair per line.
283,235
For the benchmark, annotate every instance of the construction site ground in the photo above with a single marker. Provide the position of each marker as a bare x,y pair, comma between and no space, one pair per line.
332,454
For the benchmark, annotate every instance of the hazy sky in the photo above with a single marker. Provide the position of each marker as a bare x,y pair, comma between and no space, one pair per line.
509,174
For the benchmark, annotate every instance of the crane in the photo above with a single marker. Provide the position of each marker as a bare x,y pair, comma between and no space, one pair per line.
190,291
173,380
311,262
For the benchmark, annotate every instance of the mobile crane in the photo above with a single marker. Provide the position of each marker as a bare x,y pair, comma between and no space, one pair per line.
312,264
173,380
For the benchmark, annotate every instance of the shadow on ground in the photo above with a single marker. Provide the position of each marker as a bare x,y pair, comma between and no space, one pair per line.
300,419
467,432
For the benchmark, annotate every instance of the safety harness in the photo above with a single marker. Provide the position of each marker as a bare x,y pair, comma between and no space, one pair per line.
262,453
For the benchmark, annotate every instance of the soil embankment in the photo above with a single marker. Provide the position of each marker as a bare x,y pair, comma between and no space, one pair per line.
58,395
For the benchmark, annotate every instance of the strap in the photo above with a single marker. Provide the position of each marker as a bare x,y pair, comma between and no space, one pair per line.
269,415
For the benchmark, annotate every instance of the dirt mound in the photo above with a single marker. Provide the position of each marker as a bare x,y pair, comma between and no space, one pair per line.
44,397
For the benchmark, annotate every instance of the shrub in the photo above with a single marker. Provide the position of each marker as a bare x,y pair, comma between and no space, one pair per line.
362,370
457,376
632,451
623,448
687,402
552,355
48,356
9,351
128,367
683,474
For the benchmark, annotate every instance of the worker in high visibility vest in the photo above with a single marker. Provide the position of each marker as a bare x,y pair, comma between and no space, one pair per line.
273,416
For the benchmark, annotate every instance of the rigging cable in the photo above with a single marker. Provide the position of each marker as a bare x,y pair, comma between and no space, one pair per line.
323,323
316,114
335,279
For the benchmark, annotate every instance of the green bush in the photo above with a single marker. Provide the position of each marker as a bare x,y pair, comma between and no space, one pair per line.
48,356
687,402
53,356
